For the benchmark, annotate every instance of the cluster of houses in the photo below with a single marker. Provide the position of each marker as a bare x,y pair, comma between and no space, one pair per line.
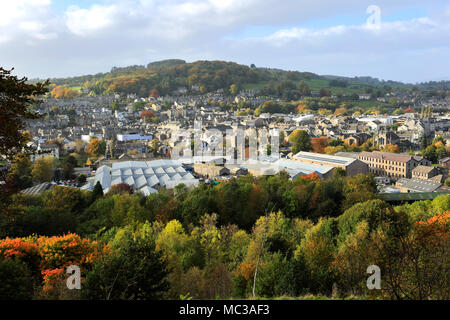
84,118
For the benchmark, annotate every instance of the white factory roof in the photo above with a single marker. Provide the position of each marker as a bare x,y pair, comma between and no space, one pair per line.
143,176
332,160
293,168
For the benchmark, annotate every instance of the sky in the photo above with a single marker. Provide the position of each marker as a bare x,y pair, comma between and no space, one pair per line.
409,40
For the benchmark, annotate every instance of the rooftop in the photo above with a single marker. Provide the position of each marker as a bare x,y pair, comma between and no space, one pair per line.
417,185
144,176
412,196
422,169
38,189
386,156
324,158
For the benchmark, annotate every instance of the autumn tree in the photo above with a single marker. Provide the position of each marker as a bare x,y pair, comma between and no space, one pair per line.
60,92
391,148
97,147
146,115
319,144
154,93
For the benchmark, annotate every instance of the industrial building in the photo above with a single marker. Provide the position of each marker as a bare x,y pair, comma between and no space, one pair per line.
350,165
144,176
392,165
416,185
293,168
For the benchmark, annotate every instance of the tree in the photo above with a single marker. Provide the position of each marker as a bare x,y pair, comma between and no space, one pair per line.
234,89
120,188
139,106
304,89
154,145
430,153
21,171
16,97
319,144
97,192
136,272
154,93
60,92
391,148
424,142
398,111
68,164
97,147
146,115
81,178
43,169
300,141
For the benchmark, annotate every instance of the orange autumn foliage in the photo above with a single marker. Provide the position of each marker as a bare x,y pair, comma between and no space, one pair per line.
319,144
146,114
311,177
436,228
17,248
246,270
52,255
301,107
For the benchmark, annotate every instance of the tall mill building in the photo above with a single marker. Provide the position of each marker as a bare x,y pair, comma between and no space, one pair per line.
392,165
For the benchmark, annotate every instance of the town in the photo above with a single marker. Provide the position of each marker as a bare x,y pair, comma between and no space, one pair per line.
127,139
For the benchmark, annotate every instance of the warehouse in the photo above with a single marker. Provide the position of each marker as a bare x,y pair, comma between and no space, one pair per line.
350,165
144,176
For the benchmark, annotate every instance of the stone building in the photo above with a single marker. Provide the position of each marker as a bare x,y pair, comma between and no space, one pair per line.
424,173
210,171
350,165
392,165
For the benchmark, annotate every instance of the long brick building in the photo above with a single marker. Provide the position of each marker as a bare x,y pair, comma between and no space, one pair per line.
392,165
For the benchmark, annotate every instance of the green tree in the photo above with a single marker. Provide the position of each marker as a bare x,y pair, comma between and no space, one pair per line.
234,89
135,272
300,141
424,142
15,280
81,178
139,106
42,169
97,192
68,164
21,171
398,111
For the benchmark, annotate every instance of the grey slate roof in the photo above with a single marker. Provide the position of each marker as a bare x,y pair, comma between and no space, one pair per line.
417,185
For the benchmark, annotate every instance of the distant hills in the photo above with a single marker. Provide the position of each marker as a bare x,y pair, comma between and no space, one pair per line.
167,76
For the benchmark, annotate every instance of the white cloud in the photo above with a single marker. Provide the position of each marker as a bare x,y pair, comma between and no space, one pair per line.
84,22
40,41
